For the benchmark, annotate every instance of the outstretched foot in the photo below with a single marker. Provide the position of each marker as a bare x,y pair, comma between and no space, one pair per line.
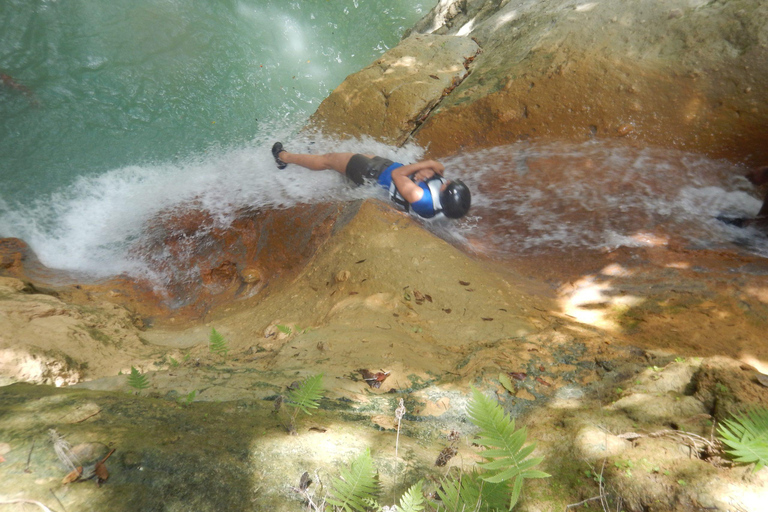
276,150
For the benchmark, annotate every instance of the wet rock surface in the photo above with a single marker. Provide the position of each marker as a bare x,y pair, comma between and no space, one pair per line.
670,74
389,98
620,362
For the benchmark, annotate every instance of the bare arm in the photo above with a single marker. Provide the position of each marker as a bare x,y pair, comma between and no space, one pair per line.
424,170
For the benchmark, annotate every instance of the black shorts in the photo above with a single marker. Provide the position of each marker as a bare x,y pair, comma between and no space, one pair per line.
361,168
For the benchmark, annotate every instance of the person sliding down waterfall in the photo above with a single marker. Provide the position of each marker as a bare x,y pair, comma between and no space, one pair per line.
420,187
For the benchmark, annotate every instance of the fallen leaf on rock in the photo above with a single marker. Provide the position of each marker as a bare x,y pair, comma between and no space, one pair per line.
374,380
762,379
435,77
504,380
101,470
318,429
487,319
542,381
518,375
73,475
101,473
447,310
464,283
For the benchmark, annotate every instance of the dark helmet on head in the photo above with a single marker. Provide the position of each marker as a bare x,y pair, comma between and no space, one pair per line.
455,199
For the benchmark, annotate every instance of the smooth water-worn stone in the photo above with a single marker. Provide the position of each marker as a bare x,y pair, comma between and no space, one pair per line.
392,96
671,74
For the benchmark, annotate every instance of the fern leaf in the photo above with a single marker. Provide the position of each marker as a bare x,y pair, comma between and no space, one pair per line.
137,380
307,395
413,499
469,492
217,344
747,437
355,485
507,457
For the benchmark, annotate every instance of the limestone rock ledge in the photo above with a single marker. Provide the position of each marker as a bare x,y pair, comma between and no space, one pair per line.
390,97
683,74
45,340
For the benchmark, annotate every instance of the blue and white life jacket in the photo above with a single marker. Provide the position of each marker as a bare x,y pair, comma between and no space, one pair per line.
429,204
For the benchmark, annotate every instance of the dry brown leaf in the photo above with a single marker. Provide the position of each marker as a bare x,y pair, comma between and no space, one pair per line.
73,475
101,473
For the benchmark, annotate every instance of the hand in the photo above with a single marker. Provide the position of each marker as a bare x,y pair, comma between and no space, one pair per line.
424,174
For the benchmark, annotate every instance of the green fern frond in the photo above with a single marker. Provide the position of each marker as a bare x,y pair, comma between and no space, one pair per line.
307,395
217,344
505,453
136,380
356,484
747,437
413,499
469,492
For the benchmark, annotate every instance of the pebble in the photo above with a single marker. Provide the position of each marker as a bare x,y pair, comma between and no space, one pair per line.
625,129
250,275
89,453
342,276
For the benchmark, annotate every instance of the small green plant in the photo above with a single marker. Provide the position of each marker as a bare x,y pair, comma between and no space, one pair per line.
304,397
283,328
413,499
174,363
217,344
747,437
495,485
188,399
507,459
356,487
137,380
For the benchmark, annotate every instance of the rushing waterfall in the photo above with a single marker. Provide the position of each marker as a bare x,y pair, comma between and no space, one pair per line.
114,114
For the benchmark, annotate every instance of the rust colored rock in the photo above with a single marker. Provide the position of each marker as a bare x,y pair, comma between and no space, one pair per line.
220,277
13,252
200,260
625,129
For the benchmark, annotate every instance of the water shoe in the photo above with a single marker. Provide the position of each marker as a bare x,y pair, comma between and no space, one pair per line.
276,150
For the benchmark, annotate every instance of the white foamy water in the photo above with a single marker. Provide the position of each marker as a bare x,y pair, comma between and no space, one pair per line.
531,198
94,226
527,198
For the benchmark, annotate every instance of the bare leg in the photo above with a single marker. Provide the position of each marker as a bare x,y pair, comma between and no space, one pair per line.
329,161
